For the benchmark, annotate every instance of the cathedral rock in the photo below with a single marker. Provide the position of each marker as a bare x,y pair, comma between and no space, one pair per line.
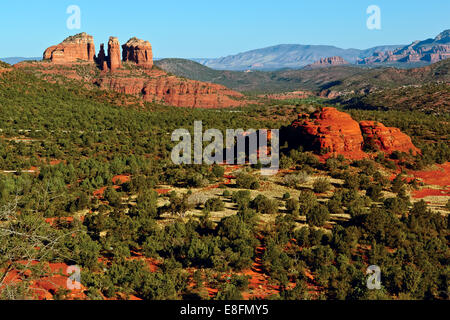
139,52
72,49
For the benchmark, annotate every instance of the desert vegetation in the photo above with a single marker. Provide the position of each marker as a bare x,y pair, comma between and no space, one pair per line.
88,181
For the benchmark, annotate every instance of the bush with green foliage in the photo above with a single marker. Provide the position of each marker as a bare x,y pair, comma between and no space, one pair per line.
321,185
318,216
247,181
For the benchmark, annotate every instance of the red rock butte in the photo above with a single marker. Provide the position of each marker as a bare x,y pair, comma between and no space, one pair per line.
139,52
72,49
328,62
331,132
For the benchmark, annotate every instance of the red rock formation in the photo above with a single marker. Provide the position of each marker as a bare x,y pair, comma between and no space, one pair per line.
78,47
158,86
139,52
329,131
386,139
102,60
328,62
114,58
146,82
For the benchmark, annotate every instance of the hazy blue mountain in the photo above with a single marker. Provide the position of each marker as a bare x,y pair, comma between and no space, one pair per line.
292,56
14,60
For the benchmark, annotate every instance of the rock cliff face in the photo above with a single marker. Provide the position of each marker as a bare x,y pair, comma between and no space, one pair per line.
139,52
160,87
329,62
386,139
331,132
430,51
78,47
114,60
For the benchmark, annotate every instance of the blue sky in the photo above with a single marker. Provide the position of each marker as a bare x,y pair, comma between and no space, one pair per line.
205,29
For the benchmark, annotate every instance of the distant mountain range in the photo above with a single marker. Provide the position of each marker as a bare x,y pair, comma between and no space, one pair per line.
14,60
288,56
427,51
296,56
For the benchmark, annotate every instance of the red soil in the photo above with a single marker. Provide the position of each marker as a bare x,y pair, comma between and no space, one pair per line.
55,162
430,192
99,193
45,287
163,191
53,221
121,179
259,281
438,177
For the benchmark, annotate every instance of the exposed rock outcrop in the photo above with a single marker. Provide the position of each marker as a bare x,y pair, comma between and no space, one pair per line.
114,57
102,59
386,139
430,51
160,87
139,52
331,132
77,47
328,62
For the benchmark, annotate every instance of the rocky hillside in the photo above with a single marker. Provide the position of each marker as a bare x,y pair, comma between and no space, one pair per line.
427,51
4,67
329,82
373,80
429,98
259,81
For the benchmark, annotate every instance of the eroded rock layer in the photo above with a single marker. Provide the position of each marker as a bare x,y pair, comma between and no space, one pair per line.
160,87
